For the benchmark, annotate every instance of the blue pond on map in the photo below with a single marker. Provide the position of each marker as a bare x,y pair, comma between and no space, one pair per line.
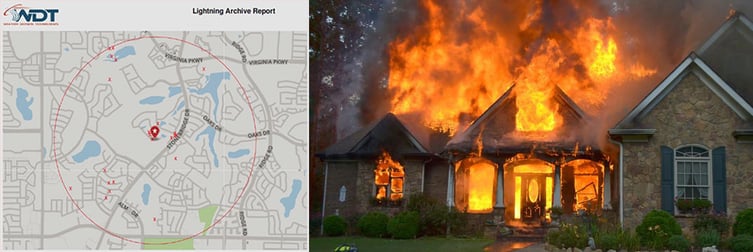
238,153
210,132
151,100
213,82
91,149
23,104
173,91
289,201
123,52
145,194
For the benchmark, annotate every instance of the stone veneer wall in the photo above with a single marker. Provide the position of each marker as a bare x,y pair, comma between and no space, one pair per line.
341,173
436,180
365,183
690,114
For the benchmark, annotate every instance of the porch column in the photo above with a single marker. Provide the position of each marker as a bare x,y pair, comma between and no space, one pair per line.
450,184
607,191
557,187
500,188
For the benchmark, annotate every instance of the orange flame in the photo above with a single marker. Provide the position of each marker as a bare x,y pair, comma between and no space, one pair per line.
445,74
389,174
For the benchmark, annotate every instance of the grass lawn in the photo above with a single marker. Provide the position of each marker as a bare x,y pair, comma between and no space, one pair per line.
432,244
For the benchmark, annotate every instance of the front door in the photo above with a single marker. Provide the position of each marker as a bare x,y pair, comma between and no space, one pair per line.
534,198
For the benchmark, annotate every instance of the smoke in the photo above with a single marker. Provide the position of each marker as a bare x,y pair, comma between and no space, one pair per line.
657,34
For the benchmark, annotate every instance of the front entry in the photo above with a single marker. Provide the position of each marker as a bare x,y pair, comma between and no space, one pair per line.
534,197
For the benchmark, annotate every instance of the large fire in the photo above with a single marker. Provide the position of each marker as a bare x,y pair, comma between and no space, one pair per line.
444,72
389,175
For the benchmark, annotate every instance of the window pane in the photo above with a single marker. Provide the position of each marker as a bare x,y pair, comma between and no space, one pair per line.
696,168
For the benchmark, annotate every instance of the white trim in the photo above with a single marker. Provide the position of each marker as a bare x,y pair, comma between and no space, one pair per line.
709,170
717,86
741,108
622,180
723,29
651,97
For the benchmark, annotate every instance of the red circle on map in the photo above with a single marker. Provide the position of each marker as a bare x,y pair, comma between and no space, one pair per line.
57,163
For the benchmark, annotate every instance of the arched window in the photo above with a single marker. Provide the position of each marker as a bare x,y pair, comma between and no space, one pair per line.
343,191
692,173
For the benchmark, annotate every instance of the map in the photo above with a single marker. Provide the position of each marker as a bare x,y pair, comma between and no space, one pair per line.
155,140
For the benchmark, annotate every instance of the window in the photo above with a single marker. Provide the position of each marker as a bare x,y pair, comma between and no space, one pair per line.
342,193
692,173
388,178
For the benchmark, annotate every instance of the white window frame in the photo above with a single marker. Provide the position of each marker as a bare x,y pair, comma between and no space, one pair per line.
343,192
699,159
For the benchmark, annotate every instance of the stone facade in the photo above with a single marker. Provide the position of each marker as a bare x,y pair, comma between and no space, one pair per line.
358,178
341,173
690,114
436,180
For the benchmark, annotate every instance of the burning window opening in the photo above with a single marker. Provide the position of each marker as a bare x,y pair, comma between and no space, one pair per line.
587,185
475,180
389,176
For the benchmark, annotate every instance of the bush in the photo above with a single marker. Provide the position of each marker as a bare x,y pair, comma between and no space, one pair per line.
334,225
434,214
608,241
629,241
707,238
373,224
404,225
568,236
741,243
720,223
743,223
678,242
656,228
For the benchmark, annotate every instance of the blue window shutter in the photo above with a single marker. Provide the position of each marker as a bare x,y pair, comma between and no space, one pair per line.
667,179
719,173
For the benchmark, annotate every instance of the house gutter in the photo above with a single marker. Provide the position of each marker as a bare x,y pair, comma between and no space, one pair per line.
622,179
324,196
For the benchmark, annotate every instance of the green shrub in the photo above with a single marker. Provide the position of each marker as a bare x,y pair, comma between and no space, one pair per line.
608,241
334,225
629,241
568,236
404,225
707,238
678,242
743,223
741,243
656,228
720,223
434,214
373,224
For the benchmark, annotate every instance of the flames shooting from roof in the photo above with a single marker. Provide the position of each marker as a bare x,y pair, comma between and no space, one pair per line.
459,60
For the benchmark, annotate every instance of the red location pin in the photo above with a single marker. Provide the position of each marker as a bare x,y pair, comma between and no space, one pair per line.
154,131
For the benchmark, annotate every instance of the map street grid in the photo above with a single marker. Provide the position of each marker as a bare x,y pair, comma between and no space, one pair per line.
84,169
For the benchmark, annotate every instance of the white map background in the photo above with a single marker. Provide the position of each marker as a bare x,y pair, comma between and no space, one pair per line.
108,161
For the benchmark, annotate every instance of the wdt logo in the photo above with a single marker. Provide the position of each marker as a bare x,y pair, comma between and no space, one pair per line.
21,13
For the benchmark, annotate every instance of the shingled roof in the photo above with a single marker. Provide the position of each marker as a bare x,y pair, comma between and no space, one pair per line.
729,52
388,134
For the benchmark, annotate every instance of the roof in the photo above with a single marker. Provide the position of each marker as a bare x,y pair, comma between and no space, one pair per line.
692,64
497,123
387,134
729,52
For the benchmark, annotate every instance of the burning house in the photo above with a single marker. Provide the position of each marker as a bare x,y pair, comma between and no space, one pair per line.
532,147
